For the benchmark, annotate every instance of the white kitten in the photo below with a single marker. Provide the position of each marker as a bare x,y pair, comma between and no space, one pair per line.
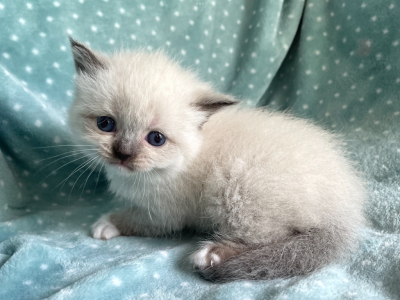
276,191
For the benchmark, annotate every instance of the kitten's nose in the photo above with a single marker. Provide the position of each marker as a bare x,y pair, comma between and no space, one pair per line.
121,156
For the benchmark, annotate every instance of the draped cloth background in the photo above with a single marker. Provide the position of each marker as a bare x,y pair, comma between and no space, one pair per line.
335,62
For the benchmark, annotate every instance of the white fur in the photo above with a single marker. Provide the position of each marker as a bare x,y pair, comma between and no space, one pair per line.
103,229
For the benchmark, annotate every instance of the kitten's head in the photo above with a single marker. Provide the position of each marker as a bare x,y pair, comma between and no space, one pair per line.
140,110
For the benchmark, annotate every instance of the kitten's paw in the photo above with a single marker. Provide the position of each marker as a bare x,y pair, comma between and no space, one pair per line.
104,229
206,257
212,254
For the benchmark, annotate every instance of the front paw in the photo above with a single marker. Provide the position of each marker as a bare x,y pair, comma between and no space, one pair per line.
104,229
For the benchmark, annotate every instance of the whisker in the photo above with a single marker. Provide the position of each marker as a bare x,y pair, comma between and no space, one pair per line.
94,168
58,160
77,151
62,167
93,161
97,181
62,146
73,172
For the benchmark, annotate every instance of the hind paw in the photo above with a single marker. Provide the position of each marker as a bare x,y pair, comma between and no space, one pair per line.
212,254
206,257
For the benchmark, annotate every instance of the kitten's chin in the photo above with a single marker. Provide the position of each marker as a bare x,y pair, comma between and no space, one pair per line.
122,167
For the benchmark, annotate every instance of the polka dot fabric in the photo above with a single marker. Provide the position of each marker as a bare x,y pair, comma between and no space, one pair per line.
335,62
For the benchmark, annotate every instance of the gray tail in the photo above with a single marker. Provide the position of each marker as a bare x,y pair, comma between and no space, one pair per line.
299,254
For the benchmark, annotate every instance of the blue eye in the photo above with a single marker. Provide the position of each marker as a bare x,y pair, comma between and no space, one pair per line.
155,138
106,124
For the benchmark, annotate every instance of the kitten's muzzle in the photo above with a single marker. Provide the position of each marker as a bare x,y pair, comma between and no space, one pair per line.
124,151
121,156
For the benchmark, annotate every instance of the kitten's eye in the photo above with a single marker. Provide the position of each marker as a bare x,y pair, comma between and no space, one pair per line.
155,138
106,124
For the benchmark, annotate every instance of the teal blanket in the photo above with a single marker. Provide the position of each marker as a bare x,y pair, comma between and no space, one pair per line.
334,61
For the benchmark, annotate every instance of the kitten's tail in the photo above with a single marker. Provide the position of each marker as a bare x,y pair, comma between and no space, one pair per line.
299,254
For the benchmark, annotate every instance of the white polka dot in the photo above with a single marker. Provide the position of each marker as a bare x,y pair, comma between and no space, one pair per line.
153,32
44,267
49,81
27,282
22,21
142,7
161,3
121,10
187,37
29,5
99,13
172,28
209,70
17,107
156,275
63,48
116,25
56,4
253,71
49,19
201,46
378,91
116,281
133,37
391,6
6,55
251,86
28,69
197,61
14,38
93,28
337,95
373,18
38,123
308,72
183,52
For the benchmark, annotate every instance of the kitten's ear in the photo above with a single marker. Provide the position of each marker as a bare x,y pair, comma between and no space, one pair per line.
212,102
85,60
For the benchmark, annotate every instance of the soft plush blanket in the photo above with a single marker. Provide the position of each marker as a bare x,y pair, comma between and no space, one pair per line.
333,61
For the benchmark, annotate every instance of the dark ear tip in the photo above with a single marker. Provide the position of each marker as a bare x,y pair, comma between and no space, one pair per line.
73,42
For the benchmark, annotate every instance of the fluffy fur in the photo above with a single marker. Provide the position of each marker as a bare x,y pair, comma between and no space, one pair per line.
275,191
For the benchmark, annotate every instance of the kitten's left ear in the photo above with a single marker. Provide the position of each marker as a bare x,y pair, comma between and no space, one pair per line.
212,102
85,60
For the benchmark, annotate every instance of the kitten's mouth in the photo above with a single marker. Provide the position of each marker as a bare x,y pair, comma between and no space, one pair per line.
122,166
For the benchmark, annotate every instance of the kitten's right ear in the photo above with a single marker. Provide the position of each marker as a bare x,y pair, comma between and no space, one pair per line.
85,60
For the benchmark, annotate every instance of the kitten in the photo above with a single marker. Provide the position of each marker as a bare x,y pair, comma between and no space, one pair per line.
276,191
